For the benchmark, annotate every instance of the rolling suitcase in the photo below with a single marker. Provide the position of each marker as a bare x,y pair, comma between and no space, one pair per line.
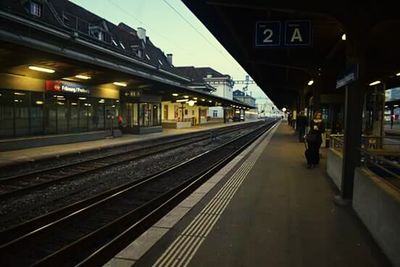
307,153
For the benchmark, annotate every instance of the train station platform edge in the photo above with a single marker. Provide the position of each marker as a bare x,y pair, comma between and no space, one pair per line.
264,208
15,157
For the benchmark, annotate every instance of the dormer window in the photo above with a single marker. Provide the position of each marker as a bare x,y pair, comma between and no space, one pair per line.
159,61
100,36
147,56
97,32
122,45
114,42
35,9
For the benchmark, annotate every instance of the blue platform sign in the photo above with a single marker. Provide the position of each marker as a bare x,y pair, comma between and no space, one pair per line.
298,33
268,33
348,76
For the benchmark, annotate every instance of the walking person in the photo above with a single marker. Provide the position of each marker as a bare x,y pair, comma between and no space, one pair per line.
314,140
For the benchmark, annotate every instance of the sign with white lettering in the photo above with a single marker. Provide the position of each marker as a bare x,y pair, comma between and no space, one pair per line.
65,87
348,76
268,33
296,33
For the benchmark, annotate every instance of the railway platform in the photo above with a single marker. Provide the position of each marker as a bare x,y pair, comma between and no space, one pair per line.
264,208
14,157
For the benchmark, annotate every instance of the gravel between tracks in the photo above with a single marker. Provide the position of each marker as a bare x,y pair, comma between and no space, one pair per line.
19,209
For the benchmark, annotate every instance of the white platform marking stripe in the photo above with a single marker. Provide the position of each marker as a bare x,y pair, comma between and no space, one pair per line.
196,232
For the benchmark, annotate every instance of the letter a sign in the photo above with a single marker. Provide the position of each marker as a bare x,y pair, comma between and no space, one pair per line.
297,33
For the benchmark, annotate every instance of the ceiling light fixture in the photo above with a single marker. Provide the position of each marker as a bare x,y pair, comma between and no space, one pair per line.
83,77
41,69
398,74
120,84
186,96
344,37
374,83
174,94
182,100
310,82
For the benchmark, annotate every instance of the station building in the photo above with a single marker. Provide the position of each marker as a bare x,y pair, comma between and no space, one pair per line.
248,99
66,70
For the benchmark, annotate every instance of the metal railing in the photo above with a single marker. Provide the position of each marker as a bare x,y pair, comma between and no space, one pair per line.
379,154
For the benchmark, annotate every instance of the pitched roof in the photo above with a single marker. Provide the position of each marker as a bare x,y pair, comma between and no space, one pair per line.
198,75
65,15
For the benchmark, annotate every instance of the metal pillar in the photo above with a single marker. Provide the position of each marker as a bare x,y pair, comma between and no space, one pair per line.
224,112
353,116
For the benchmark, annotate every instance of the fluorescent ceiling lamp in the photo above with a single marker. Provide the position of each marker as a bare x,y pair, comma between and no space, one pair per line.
17,93
344,37
182,100
398,74
310,82
41,69
203,99
39,102
374,83
186,96
174,94
210,101
120,84
83,77
395,106
82,98
195,98
191,103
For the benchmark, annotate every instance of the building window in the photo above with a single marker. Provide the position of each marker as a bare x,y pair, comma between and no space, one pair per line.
215,113
36,9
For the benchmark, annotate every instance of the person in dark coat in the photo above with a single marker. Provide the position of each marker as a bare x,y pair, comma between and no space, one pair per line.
314,139
301,124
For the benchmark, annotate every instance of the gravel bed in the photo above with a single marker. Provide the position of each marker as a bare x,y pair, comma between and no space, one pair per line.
19,209
78,157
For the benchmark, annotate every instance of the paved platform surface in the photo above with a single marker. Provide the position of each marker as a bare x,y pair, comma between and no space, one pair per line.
31,154
279,213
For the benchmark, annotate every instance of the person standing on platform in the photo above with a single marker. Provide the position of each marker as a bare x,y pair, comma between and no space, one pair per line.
314,140
301,124
120,122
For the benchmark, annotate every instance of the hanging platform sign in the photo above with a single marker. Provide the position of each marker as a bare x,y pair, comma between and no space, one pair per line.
65,87
291,33
348,76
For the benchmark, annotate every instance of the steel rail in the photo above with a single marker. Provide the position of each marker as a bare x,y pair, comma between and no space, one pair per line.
11,249
23,183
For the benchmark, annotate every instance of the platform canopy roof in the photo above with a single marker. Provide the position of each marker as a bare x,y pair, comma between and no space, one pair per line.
283,72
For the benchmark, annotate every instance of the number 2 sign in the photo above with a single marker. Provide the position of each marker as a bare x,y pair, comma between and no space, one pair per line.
268,33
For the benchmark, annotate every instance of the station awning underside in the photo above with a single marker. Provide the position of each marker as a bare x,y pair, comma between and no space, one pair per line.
22,48
283,72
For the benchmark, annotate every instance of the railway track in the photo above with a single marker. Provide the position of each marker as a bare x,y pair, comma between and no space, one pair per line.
24,183
95,229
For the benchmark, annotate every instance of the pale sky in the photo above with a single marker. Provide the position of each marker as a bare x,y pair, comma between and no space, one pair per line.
178,32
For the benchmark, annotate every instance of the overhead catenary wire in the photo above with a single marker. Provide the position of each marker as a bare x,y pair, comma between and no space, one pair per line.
201,34
147,25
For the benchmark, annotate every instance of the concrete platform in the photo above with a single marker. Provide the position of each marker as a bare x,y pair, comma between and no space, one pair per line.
263,209
15,157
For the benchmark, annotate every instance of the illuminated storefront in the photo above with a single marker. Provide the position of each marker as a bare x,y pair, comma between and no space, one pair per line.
60,108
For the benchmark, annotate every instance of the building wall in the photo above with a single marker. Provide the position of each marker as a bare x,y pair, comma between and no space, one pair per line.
219,111
179,113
